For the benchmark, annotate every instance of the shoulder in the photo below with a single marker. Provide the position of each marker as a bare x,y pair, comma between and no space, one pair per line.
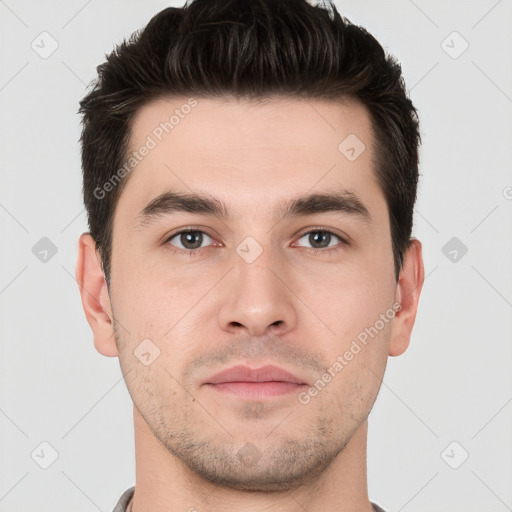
124,500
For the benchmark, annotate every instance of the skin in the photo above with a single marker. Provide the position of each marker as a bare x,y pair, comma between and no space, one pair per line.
294,306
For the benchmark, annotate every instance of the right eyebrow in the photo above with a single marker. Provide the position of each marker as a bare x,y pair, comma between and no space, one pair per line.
174,202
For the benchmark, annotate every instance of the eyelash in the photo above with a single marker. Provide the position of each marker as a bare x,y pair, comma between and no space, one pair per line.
195,252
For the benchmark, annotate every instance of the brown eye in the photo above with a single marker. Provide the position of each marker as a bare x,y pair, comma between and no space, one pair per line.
322,239
189,240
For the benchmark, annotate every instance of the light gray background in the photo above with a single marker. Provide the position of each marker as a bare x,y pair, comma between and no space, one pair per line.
454,382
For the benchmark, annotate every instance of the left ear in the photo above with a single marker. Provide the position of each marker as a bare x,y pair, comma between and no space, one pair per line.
410,283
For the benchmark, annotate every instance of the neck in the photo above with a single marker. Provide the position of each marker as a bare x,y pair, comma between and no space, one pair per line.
164,483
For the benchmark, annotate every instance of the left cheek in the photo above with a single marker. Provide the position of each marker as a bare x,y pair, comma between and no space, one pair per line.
349,311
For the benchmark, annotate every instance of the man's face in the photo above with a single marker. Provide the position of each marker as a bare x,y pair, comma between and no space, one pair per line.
253,288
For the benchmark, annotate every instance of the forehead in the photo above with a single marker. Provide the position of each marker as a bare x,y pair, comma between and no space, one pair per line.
248,153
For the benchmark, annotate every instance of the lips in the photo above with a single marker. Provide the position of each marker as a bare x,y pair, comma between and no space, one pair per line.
265,383
243,373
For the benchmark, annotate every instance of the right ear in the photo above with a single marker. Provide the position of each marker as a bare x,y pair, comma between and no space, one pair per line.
95,297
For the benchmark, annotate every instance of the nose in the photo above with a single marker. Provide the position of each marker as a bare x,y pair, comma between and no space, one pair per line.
258,299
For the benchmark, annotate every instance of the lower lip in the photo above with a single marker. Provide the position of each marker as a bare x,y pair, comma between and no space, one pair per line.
257,389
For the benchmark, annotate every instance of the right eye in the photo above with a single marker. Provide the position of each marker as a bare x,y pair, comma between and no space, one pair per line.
190,241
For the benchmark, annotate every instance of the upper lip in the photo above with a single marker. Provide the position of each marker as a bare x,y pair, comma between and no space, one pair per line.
241,373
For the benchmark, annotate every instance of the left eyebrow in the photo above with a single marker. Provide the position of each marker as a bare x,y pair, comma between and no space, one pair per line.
167,203
344,201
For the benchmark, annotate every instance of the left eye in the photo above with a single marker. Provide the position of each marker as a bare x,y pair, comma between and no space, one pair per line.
321,238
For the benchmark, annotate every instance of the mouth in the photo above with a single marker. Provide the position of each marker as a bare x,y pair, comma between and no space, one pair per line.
264,382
